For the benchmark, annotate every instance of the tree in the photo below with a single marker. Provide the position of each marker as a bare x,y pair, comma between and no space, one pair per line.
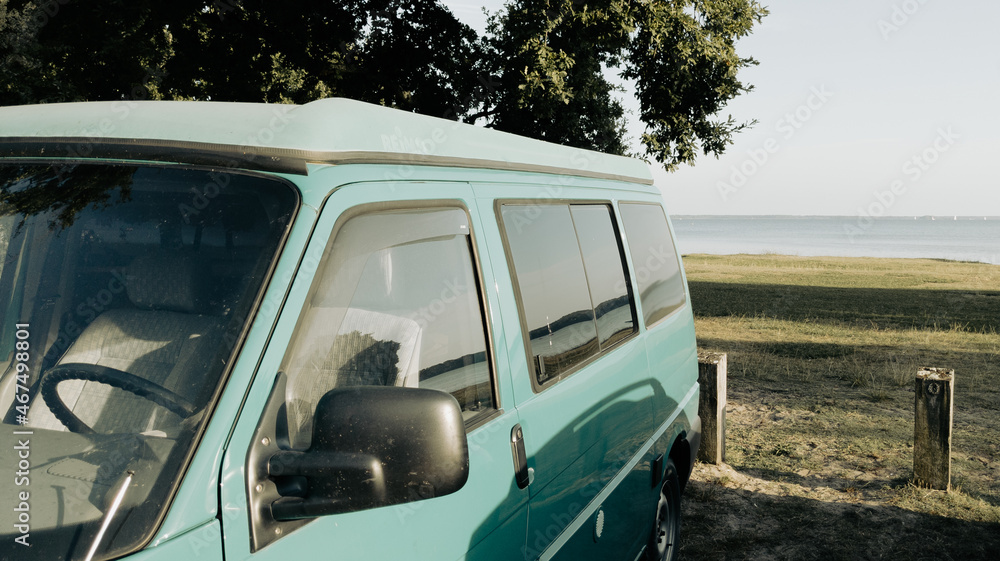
548,59
552,55
73,50
411,54
685,66
542,70
255,50
18,54
416,56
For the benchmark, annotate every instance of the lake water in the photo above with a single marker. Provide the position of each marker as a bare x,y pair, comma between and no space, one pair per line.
958,238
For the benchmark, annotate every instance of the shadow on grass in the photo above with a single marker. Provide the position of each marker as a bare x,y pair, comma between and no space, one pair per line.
801,350
878,307
722,523
792,349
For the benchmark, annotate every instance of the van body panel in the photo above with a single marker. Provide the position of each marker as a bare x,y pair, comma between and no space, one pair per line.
665,434
589,437
202,542
615,517
576,446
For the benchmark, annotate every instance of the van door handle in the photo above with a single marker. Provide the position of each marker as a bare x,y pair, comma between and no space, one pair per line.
522,474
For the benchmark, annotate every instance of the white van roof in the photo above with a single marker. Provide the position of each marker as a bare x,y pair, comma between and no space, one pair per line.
286,137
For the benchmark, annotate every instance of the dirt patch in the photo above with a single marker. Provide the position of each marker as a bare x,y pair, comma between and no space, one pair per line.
800,496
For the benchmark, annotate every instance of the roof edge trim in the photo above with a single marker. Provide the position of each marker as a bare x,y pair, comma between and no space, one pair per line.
260,158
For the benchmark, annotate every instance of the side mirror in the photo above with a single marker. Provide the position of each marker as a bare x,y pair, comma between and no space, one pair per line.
372,446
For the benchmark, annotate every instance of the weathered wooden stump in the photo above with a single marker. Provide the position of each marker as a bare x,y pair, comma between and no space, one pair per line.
934,415
712,407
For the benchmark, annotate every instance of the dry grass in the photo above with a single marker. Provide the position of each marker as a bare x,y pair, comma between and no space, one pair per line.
822,359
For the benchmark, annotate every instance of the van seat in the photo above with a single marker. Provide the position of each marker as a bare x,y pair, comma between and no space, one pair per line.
161,338
368,349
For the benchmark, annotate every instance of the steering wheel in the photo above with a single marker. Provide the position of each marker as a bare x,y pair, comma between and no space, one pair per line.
112,377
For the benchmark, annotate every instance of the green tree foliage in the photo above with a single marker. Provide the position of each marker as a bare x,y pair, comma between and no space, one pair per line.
32,190
416,56
684,63
545,68
411,54
17,43
549,58
554,56
62,50
259,50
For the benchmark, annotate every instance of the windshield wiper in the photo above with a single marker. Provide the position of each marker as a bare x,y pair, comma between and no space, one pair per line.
112,510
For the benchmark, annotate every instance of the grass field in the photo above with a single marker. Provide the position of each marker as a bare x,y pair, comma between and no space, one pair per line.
823,353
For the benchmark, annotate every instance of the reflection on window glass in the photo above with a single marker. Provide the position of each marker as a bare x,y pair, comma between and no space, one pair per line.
657,269
602,259
6,225
553,286
125,292
395,303
569,273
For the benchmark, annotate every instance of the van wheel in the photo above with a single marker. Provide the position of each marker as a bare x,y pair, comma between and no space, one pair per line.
663,543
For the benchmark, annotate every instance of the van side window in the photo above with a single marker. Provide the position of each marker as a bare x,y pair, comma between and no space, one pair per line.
395,302
603,259
570,276
657,267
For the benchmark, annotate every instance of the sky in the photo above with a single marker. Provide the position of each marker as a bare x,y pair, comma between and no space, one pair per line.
864,107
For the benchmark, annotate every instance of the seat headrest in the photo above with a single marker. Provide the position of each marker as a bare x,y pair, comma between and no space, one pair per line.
164,280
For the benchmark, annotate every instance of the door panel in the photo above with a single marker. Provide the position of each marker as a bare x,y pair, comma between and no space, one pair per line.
585,397
624,517
597,439
488,514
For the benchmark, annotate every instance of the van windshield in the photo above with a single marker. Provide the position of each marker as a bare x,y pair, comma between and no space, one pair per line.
124,291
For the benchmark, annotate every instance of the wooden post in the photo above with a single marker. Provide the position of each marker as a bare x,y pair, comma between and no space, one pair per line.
712,407
934,415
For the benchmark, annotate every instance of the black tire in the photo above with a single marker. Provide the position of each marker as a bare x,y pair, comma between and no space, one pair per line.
664,539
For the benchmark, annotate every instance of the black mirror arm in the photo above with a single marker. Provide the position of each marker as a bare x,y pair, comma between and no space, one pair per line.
271,438
320,469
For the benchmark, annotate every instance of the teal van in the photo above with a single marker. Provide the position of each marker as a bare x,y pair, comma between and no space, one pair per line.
333,331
